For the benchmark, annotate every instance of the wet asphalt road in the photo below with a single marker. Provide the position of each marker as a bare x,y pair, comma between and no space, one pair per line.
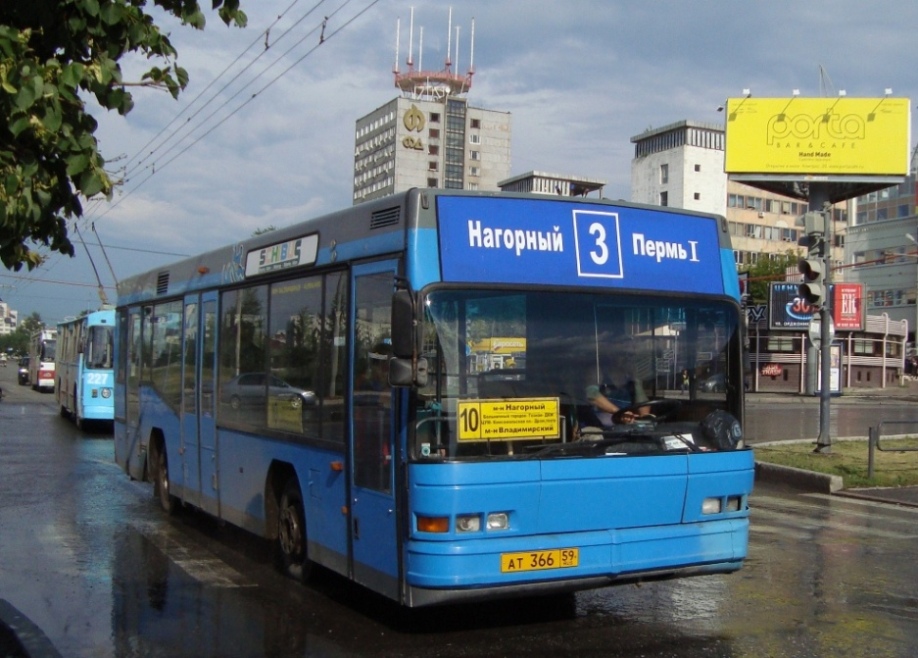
90,559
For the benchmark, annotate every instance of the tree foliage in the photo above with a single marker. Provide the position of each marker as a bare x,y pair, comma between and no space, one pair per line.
53,55
767,270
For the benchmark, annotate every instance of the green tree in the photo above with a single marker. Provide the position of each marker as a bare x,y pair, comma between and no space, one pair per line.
32,323
767,270
53,54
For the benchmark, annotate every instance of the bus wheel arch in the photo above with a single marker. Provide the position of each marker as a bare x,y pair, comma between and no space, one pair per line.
159,467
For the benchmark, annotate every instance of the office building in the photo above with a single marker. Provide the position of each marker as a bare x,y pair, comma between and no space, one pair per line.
682,165
430,135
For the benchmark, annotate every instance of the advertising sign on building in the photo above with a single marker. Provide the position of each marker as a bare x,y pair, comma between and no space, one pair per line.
831,136
787,310
848,308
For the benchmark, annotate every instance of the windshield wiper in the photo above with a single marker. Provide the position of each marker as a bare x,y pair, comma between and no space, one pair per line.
612,437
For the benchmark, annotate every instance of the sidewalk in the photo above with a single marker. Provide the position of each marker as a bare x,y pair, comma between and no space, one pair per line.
908,392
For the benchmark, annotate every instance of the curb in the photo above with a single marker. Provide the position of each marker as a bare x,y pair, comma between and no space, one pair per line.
29,637
798,477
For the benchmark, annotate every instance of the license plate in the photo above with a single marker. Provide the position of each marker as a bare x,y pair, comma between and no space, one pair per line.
538,560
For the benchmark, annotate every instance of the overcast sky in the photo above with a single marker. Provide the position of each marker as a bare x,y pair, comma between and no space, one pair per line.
579,77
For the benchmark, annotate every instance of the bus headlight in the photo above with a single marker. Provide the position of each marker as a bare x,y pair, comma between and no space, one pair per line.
468,523
711,506
106,393
498,521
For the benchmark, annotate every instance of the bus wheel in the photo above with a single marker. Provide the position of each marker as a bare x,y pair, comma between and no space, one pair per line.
291,534
161,481
76,411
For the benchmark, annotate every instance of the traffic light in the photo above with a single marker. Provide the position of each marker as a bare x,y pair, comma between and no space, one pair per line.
813,288
813,268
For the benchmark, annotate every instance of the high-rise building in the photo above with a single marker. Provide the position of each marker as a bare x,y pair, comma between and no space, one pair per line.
8,319
682,165
881,250
430,136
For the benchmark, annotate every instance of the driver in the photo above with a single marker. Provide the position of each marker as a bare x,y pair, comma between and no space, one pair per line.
614,395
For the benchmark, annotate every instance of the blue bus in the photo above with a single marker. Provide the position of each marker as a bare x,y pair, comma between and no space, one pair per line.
332,387
85,383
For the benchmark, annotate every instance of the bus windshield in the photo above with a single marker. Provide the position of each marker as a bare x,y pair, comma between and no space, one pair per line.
48,349
99,347
513,373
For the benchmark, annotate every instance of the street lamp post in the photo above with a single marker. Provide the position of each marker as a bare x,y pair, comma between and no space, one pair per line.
912,239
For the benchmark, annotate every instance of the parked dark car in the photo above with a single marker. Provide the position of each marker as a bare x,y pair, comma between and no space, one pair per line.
248,390
714,384
23,371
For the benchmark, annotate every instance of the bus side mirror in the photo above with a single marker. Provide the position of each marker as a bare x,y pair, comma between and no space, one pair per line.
401,372
406,368
405,338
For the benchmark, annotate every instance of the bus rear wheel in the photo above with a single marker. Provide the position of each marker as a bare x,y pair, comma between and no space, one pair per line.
161,481
291,534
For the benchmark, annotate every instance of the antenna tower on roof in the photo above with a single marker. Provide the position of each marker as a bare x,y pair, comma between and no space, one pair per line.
418,83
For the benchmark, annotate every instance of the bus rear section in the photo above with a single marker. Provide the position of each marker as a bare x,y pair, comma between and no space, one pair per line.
42,355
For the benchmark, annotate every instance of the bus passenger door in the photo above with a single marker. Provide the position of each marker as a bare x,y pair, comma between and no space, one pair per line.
373,522
199,432
188,449
207,404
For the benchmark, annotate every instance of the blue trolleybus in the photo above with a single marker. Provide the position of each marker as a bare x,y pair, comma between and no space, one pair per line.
406,393
85,357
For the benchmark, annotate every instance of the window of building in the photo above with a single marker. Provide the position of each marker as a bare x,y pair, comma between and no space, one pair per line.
474,155
472,186
433,166
474,171
474,138
697,167
433,149
697,196
475,123
664,198
431,182
778,343
902,210
664,176
434,133
435,117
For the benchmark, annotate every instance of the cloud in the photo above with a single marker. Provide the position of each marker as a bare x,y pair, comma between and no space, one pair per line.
579,78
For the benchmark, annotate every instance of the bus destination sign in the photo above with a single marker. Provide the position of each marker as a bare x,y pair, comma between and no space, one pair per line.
506,420
282,255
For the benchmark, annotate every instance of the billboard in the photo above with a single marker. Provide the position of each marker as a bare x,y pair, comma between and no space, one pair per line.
787,310
849,312
829,136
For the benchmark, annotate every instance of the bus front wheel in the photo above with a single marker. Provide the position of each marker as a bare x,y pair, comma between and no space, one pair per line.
291,534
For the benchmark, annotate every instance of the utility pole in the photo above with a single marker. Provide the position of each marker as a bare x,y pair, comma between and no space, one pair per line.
816,269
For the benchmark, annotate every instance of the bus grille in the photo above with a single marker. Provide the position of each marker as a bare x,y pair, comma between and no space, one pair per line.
383,218
162,283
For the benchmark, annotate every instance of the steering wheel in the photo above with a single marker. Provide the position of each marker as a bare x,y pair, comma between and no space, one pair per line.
656,409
